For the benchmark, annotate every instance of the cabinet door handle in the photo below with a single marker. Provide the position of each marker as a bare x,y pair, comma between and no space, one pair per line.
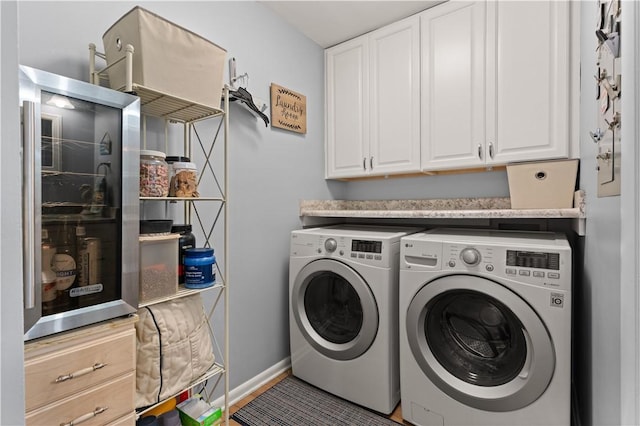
364,163
30,202
491,150
85,417
371,163
82,372
480,151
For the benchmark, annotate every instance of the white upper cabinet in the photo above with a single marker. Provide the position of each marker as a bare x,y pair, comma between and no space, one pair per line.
373,103
453,85
347,108
395,98
496,84
528,83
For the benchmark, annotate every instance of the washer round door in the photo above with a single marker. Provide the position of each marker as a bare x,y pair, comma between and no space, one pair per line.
480,343
334,309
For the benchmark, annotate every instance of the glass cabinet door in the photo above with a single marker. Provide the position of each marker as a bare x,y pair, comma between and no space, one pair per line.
80,151
81,205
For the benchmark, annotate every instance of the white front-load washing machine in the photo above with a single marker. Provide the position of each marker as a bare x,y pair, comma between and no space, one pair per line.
343,314
485,328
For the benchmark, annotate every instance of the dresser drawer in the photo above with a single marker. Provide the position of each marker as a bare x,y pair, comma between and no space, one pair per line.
61,373
109,401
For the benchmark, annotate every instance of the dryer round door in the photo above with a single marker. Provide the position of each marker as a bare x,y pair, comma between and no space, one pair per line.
334,309
480,343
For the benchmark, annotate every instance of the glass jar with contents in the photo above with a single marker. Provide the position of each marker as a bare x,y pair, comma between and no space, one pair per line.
154,174
175,159
184,180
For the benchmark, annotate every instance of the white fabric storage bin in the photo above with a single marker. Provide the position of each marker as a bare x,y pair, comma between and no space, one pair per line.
167,58
542,185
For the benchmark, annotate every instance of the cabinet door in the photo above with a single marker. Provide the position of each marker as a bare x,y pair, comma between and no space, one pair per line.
453,79
528,80
347,108
395,98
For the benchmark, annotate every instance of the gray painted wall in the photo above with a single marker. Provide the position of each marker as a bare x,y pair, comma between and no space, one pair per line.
630,214
597,320
481,184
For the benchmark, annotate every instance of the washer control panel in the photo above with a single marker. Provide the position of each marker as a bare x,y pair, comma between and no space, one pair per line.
539,267
365,250
533,259
537,264
468,257
533,265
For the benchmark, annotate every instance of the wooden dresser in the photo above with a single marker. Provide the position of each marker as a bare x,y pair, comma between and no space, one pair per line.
85,376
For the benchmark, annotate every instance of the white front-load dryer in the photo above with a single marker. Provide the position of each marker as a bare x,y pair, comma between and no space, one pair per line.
485,328
343,314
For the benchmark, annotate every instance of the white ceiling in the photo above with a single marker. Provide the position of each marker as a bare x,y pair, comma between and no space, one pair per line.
331,22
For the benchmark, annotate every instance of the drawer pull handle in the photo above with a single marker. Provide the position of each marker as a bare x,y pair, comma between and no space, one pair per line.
82,372
85,417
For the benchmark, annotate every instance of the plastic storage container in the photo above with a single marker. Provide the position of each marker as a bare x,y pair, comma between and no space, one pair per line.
171,159
198,268
184,180
158,266
154,174
187,240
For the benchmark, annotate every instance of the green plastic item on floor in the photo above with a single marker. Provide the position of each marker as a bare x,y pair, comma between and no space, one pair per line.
197,412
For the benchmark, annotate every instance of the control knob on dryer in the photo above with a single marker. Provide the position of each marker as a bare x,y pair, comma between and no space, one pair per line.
470,256
330,245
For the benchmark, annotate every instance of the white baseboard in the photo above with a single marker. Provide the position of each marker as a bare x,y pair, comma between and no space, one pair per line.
254,383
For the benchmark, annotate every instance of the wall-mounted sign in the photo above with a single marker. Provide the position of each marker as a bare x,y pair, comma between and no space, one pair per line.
288,109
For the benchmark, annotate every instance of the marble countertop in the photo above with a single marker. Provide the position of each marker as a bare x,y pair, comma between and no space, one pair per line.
471,208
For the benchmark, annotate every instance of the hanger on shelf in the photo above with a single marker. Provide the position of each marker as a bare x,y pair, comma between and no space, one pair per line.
241,94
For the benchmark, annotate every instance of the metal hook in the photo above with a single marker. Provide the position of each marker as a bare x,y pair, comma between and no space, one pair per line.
615,122
596,135
233,77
